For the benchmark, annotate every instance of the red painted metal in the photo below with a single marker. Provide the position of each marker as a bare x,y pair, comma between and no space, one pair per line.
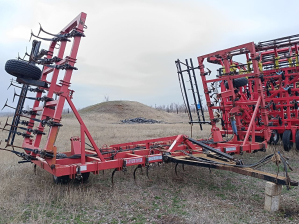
235,105
95,159
270,99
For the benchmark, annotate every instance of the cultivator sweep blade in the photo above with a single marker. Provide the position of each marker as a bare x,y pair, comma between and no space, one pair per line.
80,161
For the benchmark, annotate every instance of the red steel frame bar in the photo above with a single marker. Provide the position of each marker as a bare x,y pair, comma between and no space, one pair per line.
120,156
282,55
60,167
232,105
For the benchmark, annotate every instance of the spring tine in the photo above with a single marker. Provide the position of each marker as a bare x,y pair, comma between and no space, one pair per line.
34,119
13,100
147,168
13,146
21,128
18,133
18,56
25,53
31,98
4,104
27,97
41,29
175,169
11,84
113,176
30,36
183,166
134,174
6,123
46,39
14,126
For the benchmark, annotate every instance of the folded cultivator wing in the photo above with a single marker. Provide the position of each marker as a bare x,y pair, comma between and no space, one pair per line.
254,95
242,106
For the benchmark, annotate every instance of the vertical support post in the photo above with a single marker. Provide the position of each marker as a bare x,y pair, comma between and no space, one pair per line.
192,89
16,117
272,196
83,127
180,74
252,121
82,144
197,90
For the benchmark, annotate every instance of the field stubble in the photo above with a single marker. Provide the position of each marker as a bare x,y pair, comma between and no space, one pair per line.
196,195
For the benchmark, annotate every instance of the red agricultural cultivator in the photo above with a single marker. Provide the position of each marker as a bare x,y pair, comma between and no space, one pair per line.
243,110
255,99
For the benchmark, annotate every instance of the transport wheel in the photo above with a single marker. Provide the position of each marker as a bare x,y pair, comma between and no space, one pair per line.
61,156
22,69
62,179
237,83
85,177
240,82
297,140
274,137
259,139
286,140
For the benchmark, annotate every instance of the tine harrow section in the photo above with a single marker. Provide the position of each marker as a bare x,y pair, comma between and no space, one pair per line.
235,100
51,94
191,77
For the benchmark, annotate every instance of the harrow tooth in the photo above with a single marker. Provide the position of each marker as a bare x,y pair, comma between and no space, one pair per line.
13,99
6,123
11,84
112,181
5,104
175,169
134,173
147,173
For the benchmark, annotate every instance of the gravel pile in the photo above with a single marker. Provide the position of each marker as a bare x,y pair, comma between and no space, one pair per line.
140,120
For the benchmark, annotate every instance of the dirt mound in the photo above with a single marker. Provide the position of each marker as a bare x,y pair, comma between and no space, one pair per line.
127,110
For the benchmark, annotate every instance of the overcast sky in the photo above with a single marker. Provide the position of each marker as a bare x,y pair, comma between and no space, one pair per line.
131,45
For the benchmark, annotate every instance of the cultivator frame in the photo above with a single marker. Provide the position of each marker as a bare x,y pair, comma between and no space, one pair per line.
268,100
80,160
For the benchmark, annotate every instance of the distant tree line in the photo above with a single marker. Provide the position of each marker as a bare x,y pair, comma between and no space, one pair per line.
177,108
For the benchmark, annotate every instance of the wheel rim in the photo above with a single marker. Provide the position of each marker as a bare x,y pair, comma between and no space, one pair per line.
275,136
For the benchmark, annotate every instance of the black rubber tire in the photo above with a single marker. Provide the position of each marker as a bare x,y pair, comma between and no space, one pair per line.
238,83
286,140
297,140
259,139
61,156
61,180
22,69
84,179
274,137
85,176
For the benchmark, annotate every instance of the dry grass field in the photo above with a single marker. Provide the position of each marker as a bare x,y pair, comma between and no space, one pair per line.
196,195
